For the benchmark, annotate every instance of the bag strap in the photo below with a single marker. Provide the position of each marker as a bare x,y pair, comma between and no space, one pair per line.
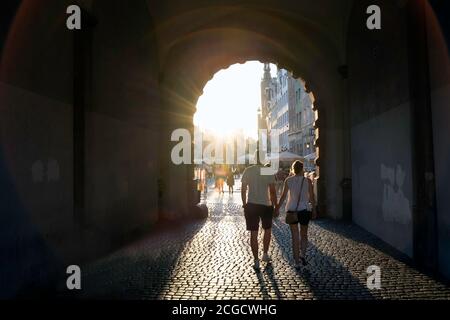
300,195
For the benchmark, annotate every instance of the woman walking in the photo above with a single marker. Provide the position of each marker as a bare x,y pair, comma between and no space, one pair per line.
300,209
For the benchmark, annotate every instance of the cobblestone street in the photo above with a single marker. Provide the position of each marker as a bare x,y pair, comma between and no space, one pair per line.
211,259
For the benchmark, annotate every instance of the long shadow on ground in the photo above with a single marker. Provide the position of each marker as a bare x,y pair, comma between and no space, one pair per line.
139,271
357,234
326,277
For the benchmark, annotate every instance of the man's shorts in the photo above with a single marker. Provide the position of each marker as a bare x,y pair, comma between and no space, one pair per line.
255,212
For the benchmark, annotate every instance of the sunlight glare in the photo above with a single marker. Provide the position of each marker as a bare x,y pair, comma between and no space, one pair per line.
231,100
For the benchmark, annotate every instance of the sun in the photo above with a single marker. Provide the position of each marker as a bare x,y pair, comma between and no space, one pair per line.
230,101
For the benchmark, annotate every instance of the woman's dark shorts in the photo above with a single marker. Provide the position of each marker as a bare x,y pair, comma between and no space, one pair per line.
303,217
255,212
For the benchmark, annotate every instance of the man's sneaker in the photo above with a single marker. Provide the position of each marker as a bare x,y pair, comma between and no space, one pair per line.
266,258
256,264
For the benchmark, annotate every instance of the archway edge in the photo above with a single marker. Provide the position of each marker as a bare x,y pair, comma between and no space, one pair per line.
196,59
190,65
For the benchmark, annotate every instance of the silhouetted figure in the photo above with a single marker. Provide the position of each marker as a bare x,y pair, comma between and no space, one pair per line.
230,182
220,178
258,207
299,210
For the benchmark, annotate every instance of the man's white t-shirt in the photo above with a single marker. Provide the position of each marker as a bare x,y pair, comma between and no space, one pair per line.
258,185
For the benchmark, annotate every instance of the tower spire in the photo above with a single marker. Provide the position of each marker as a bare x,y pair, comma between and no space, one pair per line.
267,71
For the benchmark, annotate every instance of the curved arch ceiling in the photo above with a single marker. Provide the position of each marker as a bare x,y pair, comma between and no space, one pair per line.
311,28
198,39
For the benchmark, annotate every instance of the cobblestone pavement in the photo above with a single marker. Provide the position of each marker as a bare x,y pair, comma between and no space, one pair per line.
211,259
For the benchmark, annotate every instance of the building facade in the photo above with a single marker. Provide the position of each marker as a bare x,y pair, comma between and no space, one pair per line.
301,124
287,107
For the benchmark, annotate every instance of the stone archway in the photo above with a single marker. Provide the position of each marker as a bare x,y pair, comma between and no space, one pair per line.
174,50
228,89
196,57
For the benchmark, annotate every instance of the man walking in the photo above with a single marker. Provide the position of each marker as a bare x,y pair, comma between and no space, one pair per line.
260,205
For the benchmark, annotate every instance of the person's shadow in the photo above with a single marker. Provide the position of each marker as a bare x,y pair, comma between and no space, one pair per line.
140,270
269,273
326,277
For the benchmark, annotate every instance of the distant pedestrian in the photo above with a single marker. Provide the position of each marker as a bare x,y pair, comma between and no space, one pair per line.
230,182
221,175
300,209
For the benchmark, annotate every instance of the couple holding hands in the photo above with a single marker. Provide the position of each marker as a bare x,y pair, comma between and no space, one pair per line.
262,205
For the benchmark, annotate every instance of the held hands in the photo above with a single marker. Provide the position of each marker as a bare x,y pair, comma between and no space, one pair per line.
276,211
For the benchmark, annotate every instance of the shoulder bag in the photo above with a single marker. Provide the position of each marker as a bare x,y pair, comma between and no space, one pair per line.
292,216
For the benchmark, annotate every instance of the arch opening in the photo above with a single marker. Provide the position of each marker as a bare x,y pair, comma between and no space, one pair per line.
247,107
